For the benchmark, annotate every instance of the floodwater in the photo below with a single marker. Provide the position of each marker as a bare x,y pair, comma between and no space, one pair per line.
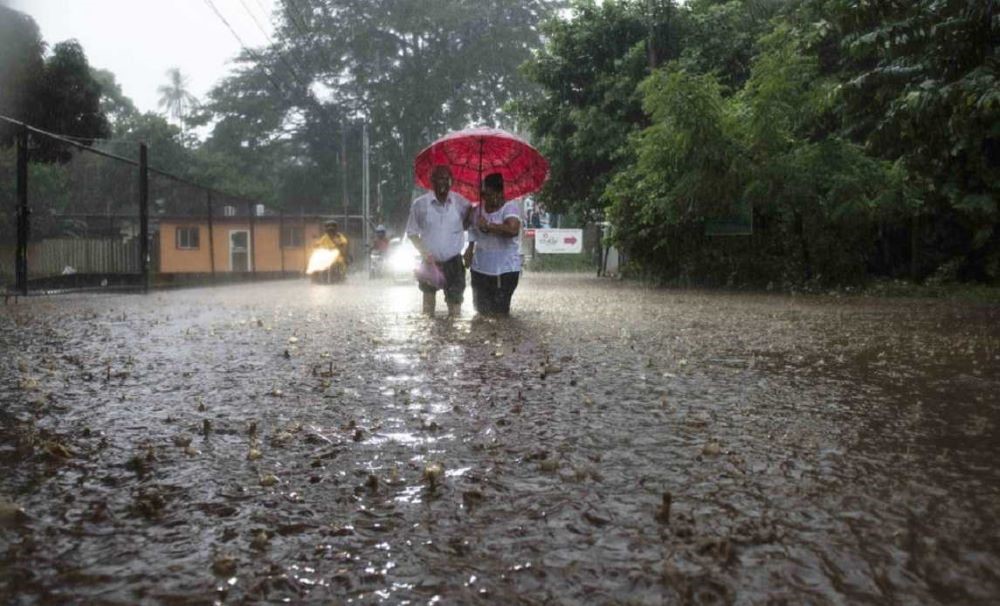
285,441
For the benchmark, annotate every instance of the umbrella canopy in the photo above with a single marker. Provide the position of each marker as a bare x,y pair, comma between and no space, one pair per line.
476,152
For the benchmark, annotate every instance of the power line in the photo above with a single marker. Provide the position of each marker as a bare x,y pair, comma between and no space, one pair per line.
253,17
267,36
253,54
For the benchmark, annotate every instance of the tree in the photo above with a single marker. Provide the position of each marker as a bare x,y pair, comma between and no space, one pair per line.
21,61
923,88
409,69
589,71
175,97
114,103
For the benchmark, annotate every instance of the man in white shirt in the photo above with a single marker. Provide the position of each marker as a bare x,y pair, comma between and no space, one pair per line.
436,226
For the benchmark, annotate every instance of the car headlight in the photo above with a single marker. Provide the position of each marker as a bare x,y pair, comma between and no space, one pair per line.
402,262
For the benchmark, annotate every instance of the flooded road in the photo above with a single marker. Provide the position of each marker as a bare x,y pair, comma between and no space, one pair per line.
285,441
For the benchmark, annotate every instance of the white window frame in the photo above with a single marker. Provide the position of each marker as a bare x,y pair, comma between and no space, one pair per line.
187,229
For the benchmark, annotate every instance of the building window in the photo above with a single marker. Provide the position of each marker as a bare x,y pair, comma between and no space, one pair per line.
228,210
187,237
293,236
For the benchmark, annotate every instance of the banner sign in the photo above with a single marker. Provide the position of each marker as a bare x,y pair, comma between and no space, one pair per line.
559,241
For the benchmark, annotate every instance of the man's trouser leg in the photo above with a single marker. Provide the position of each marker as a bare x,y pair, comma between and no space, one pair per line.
429,301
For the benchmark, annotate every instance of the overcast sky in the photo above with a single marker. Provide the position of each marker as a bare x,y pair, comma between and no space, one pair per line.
138,40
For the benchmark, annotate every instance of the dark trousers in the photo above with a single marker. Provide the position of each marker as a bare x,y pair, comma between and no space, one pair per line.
491,294
454,276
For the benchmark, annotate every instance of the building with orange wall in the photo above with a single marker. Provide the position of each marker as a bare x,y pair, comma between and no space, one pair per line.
262,244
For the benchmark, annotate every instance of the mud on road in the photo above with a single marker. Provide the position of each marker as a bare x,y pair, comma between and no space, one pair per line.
607,444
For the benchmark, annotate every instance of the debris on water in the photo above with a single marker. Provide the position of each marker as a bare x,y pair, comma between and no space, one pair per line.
57,450
596,519
433,473
268,479
699,420
206,428
12,515
282,438
252,429
286,355
260,541
711,449
371,483
663,513
358,434
293,339
224,565
182,440
548,465
191,451
253,454
472,498
149,503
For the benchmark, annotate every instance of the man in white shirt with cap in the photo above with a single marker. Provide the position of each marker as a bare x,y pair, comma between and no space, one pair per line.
436,226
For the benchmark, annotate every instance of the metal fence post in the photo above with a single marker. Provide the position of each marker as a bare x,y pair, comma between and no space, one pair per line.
253,244
281,238
211,235
23,225
144,215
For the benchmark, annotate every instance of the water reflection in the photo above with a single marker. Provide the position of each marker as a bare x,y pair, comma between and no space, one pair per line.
647,447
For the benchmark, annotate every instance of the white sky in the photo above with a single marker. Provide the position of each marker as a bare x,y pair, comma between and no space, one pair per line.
139,40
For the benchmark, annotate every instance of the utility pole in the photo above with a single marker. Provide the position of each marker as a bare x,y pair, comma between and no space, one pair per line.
144,215
343,169
365,186
23,224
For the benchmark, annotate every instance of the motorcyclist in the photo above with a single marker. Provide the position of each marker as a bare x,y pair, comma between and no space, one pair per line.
381,242
333,239
379,249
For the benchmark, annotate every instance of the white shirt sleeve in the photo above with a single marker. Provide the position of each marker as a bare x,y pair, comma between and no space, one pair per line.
510,209
413,223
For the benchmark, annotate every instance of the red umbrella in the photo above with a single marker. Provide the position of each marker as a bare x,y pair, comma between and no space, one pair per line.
474,153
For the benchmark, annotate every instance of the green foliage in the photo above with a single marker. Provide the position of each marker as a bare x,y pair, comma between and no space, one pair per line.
175,98
410,69
922,82
114,104
589,71
864,136
721,36
58,93
21,61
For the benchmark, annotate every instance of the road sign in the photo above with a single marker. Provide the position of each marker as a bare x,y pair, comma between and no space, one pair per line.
559,241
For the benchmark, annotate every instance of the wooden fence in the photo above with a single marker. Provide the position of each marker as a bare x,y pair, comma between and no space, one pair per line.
53,256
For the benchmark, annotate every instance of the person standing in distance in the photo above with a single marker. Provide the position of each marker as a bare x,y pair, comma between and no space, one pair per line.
436,226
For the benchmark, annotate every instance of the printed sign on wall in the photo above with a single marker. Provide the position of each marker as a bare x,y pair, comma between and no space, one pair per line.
559,241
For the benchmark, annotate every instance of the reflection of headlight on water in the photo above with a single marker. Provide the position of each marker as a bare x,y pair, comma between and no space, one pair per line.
321,259
402,261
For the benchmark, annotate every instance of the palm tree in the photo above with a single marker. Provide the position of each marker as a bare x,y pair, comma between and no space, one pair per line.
174,96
